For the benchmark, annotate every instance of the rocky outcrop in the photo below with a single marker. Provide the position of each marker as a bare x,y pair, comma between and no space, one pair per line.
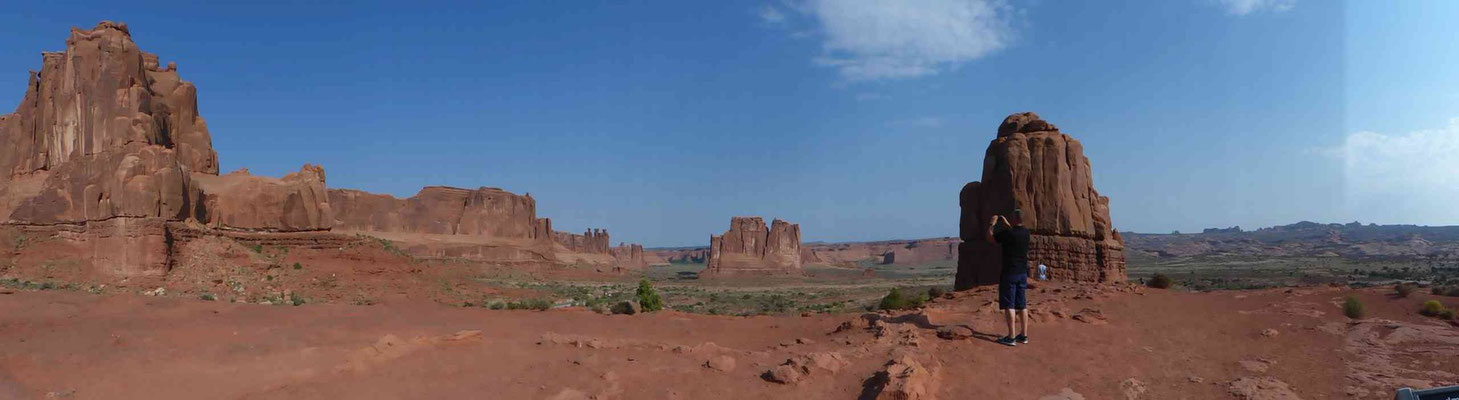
749,247
591,241
1034,167
109,142
440,210
107,151
629,256
240,201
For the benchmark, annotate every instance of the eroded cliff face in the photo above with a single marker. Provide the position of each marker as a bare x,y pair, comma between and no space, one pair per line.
107,153
107,147
749,247
1034,167
487,212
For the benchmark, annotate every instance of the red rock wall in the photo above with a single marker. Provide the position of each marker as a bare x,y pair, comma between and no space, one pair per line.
106,138
488,212
629,256
591,241
749,247
1033,167
893,252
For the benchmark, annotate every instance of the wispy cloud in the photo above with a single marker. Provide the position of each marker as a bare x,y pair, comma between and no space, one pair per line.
1409,177
867,40
919,122
1244,7
771,15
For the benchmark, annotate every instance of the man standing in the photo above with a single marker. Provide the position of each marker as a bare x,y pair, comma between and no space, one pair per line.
1013,237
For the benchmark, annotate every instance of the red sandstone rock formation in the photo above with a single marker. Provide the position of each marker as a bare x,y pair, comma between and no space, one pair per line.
629,256
749,247
1033,167
487,212
107,151
591,241
110,143
898,252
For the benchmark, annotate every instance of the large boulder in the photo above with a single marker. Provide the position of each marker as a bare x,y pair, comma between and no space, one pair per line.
751,247
1034,167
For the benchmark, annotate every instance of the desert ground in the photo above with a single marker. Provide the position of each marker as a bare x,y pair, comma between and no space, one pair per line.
1088,341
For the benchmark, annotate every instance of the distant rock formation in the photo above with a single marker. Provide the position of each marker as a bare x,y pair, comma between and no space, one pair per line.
889,252
748,247
591,241
487,212
629,256
1033,167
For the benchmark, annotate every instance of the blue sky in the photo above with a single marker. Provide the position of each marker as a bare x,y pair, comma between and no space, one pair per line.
860,120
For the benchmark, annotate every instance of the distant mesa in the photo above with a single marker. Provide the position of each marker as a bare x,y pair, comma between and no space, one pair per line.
749,247
107,150
1034,167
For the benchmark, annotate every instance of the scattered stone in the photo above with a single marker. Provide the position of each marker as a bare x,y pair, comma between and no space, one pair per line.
1254,366
570,394
906,379
1133,388
1065,394
783,374
721,363
1196,379
1091,316
959,332
1269,332
1263,388
803,341
155,292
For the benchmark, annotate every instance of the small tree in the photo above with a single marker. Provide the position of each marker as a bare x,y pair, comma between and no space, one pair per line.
648,298
896,300
1353,308
1159,281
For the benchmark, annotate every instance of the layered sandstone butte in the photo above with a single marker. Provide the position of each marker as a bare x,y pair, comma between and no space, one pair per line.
108,146
108,153
1033,167
749,247
439,210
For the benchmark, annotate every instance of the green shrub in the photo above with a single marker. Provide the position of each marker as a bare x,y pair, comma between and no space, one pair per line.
936,292
896,300
497,305
208,297
298,266
1451,291
530,304
1160,281
1433,308
1404,289
1353,308
648,298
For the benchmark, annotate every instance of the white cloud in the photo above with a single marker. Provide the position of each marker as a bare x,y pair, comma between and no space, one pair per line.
771,15
1403,178
898,39
1244,7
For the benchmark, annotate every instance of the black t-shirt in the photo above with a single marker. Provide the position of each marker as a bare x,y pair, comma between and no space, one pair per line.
1015,249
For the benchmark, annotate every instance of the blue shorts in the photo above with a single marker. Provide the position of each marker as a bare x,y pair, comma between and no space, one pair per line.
1011,292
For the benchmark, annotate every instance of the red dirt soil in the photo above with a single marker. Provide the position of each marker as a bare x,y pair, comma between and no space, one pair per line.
1094,342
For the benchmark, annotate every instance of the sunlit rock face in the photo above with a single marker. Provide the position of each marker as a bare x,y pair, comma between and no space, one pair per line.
1034,167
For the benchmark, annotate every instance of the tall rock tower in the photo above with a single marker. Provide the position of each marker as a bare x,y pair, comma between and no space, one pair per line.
1033,167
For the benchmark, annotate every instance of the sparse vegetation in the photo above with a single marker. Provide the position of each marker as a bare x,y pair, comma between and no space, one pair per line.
896,300
936,292
298,266
529,304
1160,281
208,296
1404,289
648,298
1353,308
1433,308
1451,291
